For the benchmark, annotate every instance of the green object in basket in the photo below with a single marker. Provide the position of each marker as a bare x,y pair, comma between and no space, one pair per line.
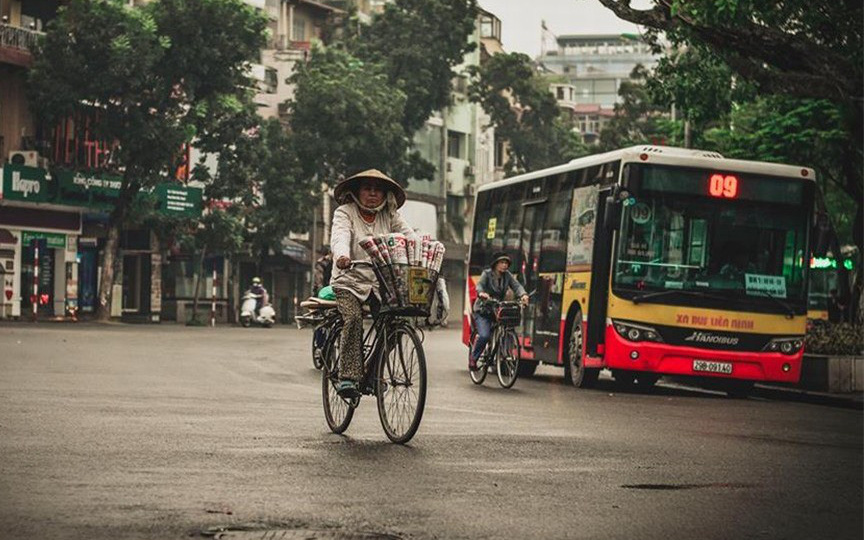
326,293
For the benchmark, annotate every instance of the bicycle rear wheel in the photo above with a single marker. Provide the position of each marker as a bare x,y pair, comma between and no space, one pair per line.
401,385
477,375
507,358
337,412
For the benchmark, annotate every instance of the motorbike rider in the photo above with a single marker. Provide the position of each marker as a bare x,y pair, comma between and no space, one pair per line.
260,292
369,203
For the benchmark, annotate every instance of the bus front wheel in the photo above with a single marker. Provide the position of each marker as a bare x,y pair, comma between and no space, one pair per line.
575,372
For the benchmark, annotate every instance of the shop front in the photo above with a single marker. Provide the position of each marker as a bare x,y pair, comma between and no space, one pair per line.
38,244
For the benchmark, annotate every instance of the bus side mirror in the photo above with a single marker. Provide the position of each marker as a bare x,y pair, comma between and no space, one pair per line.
612,213
614,203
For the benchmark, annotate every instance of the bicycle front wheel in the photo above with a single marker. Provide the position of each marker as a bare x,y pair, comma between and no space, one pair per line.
337,412
507,358
401,385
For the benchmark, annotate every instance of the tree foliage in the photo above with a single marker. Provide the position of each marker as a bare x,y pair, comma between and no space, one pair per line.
359,101
524,113
285,195
801,48
346,115
419,43
638,119
154,77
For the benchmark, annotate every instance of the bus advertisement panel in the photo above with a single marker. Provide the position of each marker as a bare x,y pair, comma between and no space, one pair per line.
678,262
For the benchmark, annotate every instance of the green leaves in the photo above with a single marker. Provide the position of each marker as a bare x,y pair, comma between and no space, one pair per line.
359,101
523,112
346,115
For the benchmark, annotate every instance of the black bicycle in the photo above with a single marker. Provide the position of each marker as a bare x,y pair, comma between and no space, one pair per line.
503,349
394,366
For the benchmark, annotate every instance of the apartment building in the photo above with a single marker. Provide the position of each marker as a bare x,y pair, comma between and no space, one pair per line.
593,66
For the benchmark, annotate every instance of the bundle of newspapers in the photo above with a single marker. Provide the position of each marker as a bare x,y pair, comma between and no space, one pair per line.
407,268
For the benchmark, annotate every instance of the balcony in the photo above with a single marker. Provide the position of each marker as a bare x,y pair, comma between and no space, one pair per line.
281,42
17,44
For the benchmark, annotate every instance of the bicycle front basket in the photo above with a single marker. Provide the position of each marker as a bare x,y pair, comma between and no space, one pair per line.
509,315
413,289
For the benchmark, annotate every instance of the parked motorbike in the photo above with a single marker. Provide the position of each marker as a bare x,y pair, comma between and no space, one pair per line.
266,315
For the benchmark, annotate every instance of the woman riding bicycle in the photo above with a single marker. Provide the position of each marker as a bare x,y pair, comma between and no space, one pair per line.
493,283
368,207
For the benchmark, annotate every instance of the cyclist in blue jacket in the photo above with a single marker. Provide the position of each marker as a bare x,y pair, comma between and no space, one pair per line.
494,283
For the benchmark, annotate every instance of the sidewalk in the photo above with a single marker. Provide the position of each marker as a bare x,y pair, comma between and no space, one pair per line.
849,400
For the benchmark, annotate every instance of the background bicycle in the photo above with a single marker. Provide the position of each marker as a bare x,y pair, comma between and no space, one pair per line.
503,349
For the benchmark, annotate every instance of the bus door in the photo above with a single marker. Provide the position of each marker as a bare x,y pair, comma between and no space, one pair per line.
598,297
532,237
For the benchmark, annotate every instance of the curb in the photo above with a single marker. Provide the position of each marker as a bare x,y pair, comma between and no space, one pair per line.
853,400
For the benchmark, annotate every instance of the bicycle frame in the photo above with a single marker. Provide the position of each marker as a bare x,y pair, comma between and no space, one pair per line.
374,340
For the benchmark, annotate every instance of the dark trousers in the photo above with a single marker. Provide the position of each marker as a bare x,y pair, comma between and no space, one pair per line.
484,332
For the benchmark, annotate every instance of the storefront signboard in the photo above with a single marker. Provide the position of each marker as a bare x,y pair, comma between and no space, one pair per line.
178,200
53,240
90,189
21,183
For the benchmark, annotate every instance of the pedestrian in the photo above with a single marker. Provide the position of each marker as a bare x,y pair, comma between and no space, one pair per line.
323,269
368,206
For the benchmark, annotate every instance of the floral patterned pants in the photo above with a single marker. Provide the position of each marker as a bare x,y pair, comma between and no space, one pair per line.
351,346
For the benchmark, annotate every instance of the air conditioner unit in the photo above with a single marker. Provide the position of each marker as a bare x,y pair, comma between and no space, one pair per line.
28,158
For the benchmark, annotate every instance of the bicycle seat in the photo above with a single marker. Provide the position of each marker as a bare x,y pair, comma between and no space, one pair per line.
317,303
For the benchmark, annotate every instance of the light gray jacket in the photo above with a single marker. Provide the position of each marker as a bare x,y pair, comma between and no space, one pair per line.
348,229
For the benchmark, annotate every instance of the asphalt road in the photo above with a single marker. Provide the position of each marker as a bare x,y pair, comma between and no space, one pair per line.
166,432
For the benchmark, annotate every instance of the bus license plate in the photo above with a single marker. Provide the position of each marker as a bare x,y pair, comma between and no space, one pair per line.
712,367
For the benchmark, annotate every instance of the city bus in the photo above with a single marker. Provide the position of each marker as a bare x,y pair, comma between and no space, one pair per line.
652,261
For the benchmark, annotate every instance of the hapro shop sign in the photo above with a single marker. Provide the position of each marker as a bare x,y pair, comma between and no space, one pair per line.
22,183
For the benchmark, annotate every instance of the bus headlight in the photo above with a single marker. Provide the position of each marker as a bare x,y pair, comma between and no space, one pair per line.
784,345
636,332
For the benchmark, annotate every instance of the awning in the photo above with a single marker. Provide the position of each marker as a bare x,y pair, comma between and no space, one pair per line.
296,251
6,237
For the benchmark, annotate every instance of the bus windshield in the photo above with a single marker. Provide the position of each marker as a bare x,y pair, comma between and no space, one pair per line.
680,239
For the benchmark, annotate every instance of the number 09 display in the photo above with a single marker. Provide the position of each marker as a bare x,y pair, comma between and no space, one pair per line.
724,186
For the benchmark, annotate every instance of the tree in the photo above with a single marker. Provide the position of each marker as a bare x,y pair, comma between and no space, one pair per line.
156,75
360,100
284,192
345,115
524,113
638,119
419,43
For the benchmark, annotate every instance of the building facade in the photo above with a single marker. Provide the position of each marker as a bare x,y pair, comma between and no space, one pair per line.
591,69
56,191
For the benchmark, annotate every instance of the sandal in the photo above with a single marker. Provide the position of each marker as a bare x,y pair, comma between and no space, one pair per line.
347,389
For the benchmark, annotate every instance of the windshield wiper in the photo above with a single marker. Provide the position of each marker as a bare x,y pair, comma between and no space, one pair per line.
790,313
699,294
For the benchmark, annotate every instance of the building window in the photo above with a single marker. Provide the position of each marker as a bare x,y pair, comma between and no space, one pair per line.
454,144
490,27
560,92
499,154
298,32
